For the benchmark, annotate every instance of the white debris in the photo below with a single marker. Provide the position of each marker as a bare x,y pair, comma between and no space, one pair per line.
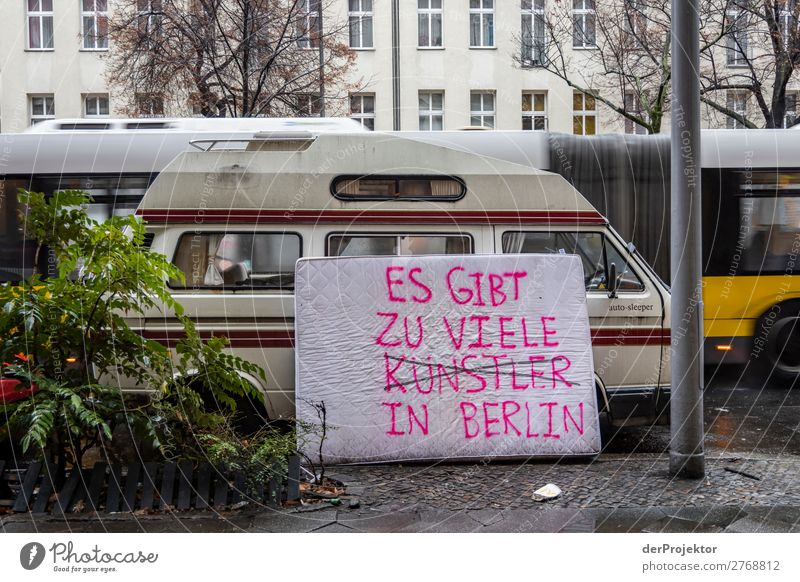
549,491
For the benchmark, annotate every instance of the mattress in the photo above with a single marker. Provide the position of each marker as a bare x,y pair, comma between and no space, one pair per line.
444,357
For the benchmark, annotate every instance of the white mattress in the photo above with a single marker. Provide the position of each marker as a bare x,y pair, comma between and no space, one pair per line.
448,395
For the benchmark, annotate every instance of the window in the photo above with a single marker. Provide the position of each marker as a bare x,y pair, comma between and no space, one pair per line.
237,260
308,105
533,43
42,107
308,24
149,105
407,187
595,253
534,111
402,245
95,106
583,24
431,111
481,105
481,23
360,19
737,38
149,20
635,22
94,24
362,109
790,115
633,104
429,16
786,24
737,102
40,24
770,239
584,114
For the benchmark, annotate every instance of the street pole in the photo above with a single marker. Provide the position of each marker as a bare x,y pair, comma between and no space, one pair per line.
687,457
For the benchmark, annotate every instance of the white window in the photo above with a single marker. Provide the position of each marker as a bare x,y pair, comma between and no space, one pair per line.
431,110
481,23
40,24
362,109
583,24
360,19
534,111
737,102
635,21
790,115
787,24
149,20
737,52
482,111
584,114
633,104
94,24
308,24
42,107
429,16
308,105
533,33
149,105
95,106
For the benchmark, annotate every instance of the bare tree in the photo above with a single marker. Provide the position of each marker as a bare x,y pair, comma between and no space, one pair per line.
756,60
234,58
615,51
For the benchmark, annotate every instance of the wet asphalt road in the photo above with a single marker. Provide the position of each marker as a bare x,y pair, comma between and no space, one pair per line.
741,416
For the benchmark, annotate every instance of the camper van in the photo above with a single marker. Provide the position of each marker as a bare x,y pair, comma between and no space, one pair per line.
235,220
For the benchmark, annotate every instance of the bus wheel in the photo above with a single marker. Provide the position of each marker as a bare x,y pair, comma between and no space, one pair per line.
776,346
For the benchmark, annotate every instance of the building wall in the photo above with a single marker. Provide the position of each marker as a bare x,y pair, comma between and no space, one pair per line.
67,71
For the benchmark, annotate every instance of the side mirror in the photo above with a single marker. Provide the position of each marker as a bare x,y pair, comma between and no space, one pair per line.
612,281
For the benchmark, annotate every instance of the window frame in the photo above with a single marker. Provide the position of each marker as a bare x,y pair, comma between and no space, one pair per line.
39,15
309,15
397,235
584,113
732,100
152,99
222,288
734,56
95,15
535,13
582,15
430,113
34,118
96,97
482,13
429,14
397,177
533,114
635,107
360,16
483,113
361,116
606,240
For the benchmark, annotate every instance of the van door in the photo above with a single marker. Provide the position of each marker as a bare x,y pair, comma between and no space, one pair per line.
627,329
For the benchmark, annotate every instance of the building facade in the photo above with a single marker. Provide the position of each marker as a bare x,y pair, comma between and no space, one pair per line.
420,65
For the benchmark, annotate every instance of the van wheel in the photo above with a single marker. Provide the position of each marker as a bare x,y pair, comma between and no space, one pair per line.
775,358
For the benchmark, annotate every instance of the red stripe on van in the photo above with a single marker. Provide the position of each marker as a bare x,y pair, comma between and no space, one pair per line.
623,336
200,216
628,336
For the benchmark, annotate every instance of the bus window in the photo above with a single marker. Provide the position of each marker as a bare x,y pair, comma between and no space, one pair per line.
237,260
403,245
772,241
591,247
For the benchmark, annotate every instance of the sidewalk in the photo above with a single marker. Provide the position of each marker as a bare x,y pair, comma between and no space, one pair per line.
614,493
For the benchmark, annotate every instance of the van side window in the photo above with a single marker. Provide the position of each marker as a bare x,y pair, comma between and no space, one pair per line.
403,245
595,254
225,260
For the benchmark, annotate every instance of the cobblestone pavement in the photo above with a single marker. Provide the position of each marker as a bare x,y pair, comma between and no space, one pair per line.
610,481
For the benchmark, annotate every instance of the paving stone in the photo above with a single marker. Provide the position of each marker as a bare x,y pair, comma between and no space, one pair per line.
679,525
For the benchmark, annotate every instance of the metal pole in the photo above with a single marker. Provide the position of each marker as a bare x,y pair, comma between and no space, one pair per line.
321,63
396,65
687,457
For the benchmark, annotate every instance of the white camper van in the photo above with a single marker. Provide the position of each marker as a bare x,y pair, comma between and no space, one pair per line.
236,219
